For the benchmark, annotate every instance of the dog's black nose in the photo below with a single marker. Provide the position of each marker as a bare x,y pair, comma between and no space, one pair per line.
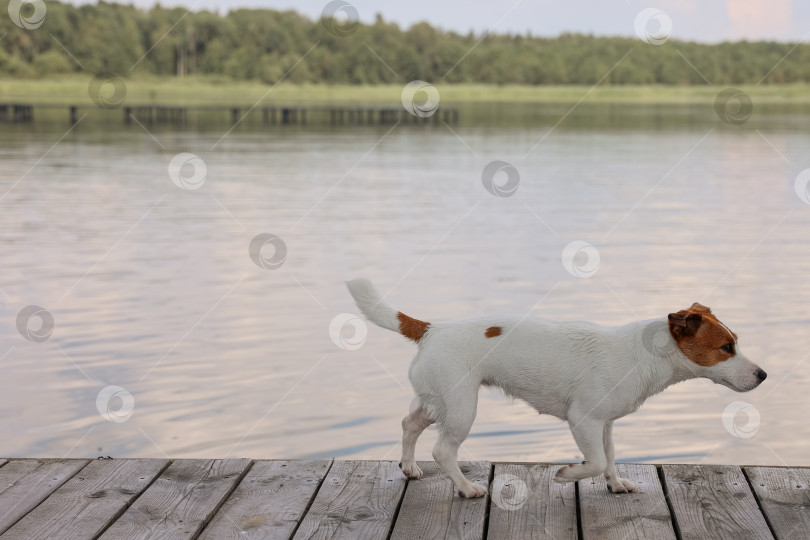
761,375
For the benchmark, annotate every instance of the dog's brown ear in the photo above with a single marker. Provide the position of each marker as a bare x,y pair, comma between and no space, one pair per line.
684,324
699,308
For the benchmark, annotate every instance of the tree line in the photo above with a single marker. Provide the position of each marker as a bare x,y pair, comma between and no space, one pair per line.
266,45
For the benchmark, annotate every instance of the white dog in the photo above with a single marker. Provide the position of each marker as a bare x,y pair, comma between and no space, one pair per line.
586,374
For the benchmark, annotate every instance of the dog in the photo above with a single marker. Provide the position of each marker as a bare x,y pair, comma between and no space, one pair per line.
582,373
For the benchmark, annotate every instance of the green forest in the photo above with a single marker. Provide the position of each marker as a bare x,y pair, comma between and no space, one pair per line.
263,45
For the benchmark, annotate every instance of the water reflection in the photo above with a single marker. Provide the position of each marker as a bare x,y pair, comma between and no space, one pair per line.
152,288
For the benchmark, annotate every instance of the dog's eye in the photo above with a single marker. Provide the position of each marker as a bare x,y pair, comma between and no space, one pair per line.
728,347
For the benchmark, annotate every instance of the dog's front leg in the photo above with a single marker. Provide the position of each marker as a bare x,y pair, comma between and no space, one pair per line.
614,483
588,434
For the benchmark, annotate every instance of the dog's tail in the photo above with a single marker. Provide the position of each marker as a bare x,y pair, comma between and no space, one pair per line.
371,303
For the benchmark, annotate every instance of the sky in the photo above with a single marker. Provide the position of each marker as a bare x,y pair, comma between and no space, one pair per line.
699,20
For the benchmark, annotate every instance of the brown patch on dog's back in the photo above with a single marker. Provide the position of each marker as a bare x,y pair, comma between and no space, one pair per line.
699,335
411,328
493,331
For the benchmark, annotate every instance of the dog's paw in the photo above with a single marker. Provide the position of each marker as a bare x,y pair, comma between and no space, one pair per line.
411,470
565,474
621,485
472,491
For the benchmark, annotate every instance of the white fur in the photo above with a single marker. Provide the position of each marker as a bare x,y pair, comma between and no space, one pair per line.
585,374
371,303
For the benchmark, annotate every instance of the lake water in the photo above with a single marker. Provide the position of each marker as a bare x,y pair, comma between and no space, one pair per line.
152,287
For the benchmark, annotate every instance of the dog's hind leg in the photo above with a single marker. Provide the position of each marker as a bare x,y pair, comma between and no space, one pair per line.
588,434
614,483
454,426
412,426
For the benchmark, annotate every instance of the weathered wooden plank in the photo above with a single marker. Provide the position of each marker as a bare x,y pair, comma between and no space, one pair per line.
84,505
269,502
24,483
784,495
431,509
713,501
527,503
357,499
181,501
642,515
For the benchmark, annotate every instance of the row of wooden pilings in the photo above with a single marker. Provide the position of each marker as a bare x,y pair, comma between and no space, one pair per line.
156,114
293,115
16,113
391,115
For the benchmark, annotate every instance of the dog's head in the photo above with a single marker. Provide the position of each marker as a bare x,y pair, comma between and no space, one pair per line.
712,348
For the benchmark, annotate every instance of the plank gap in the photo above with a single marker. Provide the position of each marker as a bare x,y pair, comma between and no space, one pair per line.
357,500
312,499
397,509
268,502
661,478
431,507
759,502
217,508
715,501
578,511
783,497
6,527
89,501
180,501
490,479
532,505
125,508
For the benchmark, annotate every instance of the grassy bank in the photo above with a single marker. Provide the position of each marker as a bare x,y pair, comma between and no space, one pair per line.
198,91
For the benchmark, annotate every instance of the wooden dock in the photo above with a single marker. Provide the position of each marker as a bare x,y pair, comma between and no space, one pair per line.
242,498
270,115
